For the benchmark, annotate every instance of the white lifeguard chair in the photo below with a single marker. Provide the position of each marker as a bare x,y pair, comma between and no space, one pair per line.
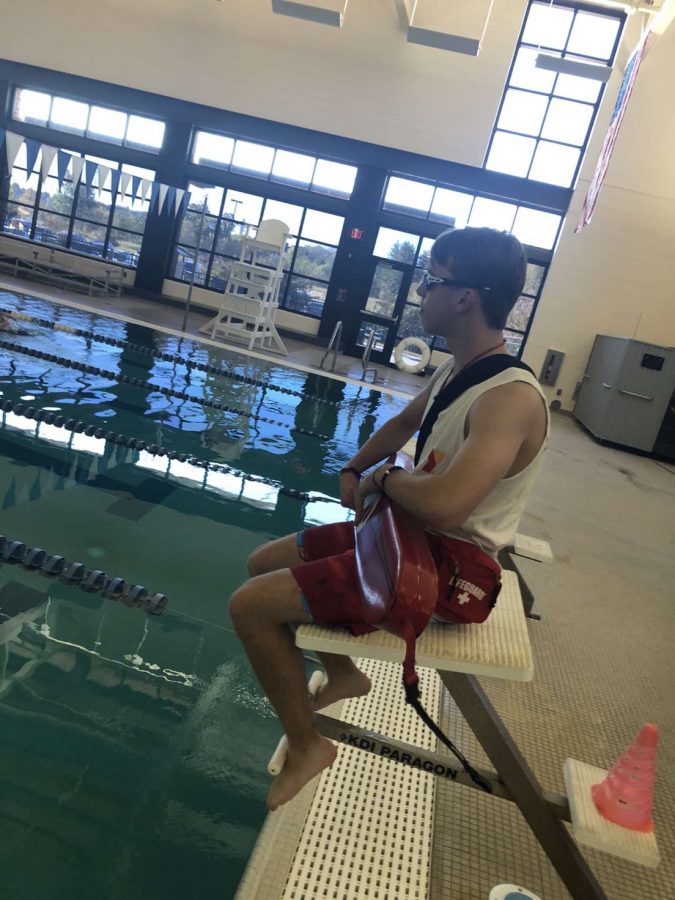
251,297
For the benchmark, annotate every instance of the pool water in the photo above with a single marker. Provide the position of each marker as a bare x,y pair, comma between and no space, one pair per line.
133,747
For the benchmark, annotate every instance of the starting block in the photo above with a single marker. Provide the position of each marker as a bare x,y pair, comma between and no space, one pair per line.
532,548
500,648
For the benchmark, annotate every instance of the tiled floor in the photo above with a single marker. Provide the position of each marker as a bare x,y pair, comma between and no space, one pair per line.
603,650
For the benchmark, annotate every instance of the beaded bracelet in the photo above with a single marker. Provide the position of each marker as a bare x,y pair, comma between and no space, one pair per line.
387,472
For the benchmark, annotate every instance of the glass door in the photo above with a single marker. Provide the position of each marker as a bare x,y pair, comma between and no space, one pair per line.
390,282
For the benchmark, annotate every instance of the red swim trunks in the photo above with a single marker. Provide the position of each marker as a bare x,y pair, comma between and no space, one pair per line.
468,580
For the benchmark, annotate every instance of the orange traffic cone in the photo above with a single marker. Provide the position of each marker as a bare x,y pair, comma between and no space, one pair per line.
625,796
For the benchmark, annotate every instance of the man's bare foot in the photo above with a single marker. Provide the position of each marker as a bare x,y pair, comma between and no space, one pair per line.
300,767
356,684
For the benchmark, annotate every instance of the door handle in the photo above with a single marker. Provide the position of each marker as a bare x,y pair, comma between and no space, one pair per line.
586,376
633,394
604,384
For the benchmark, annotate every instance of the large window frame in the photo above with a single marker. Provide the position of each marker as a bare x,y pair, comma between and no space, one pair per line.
538,105
223,230
472,209
275,163
90,111
79,215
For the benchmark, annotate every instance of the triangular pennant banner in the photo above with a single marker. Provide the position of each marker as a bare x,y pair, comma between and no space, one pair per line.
62,162
135,184
90,168
13,145
154,190
145,187
48,154
76,169
124,184
32,150
115,181
103,172
163,190
180,193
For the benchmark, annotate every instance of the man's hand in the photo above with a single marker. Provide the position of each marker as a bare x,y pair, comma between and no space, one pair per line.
349,489
366,487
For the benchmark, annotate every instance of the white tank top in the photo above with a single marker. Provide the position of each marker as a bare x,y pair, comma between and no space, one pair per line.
493,523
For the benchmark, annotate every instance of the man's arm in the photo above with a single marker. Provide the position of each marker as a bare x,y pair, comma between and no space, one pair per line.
388,439
393,434
500,422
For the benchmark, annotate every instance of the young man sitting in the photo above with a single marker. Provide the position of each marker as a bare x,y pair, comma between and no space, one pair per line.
471,482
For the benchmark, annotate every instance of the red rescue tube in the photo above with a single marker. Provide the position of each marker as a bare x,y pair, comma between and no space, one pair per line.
397,573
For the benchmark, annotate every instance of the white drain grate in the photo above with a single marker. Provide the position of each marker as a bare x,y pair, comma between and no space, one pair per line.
368,832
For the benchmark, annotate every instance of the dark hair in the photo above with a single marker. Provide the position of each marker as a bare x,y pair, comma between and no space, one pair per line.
485,257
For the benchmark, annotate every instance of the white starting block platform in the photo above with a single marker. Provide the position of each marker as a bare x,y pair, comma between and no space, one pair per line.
532,548
592,829
498,648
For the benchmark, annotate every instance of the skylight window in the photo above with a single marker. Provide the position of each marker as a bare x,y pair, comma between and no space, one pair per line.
545,117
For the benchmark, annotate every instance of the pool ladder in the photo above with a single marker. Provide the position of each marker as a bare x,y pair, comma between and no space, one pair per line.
334,347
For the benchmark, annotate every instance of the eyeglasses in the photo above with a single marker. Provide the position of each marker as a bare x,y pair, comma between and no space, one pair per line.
429,281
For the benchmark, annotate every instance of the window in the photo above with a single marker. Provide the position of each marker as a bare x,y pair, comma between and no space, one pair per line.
438,203
411,249
310,251
536,228
100,123
545,118
426,200
86,218
273,164
521,315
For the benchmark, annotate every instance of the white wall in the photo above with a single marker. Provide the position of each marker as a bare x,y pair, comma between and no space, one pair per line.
617,276
363,81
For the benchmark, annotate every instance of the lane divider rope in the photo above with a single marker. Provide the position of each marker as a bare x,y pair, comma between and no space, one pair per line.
149,386
167,357
132,443
93,581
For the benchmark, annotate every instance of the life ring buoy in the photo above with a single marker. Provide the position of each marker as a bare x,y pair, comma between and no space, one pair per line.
412,347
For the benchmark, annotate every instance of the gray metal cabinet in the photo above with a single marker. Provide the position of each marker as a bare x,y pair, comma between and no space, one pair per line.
626,391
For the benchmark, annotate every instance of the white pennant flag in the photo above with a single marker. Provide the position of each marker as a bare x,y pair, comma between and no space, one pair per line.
179,199
13,144
76,166
48,154
125,179
103,172
163,190
145,187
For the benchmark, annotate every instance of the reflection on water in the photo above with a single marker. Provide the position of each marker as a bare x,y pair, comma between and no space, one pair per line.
133,748
279,401
120,773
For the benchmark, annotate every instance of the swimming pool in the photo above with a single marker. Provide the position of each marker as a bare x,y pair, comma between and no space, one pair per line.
133,747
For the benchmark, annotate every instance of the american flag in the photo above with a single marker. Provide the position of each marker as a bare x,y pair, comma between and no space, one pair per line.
612,132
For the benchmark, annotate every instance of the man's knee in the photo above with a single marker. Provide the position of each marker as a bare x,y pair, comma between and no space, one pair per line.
280,554
242,606
257,562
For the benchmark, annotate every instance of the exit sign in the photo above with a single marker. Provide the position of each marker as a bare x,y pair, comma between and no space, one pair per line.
356,234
